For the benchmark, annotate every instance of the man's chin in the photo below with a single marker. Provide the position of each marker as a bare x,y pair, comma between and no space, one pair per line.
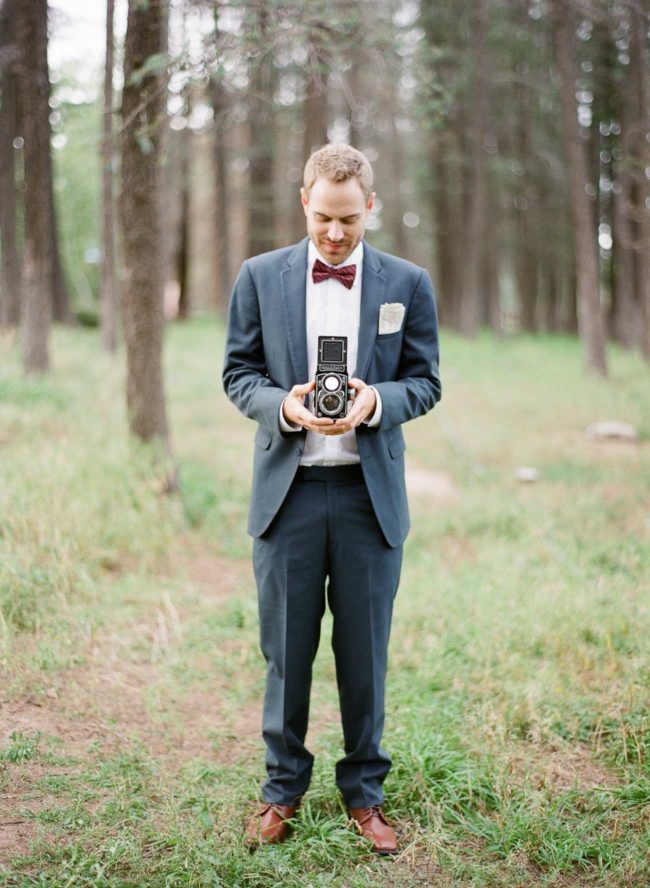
336,256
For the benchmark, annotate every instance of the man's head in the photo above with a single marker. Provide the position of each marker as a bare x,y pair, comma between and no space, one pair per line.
337,197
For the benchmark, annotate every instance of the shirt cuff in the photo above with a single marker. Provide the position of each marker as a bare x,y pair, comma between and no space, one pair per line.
287,426
374,421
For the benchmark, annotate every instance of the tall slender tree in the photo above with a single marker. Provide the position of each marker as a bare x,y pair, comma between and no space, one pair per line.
261,232
221,101
10,271
526,255
473,289
315,98
182,251
220,105
38,284
642,165
623,316
145,77
590,315
109,295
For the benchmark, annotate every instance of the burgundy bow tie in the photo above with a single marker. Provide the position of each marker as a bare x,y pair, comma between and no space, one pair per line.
345,275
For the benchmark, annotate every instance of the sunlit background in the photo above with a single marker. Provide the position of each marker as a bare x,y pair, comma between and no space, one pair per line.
457,107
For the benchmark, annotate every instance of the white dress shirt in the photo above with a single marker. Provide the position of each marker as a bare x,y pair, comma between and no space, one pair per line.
332,310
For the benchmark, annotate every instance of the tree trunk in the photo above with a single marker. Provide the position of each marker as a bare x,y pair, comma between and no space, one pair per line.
262,215
295,153
447,290
220,103
401,245
625,314
642,155
355,88
10,272
526,255
470,308
491,314
142,115
623,320
182,263
314,105
550,284
38,283
569,303
590,316
61,310
108,298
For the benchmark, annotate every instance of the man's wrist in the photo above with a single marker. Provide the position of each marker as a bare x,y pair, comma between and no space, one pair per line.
285,425
375,419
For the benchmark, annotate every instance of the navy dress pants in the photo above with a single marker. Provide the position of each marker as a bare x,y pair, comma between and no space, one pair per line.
325,540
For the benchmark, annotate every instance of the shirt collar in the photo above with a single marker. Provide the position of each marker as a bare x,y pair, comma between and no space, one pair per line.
355,258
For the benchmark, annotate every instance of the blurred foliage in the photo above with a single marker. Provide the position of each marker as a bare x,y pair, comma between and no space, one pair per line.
76,142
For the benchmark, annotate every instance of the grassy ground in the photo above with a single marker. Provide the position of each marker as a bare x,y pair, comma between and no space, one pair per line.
518,713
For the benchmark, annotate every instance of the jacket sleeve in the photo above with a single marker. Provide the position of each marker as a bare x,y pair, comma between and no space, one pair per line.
418,387
245,376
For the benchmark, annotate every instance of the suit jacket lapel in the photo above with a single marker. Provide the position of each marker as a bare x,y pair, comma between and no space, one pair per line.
293,280
373,287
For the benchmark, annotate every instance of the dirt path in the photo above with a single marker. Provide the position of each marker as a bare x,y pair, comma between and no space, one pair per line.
112,700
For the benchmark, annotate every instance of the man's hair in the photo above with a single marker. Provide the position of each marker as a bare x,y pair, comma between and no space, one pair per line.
339,162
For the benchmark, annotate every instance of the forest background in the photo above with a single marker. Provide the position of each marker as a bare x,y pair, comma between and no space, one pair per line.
146,149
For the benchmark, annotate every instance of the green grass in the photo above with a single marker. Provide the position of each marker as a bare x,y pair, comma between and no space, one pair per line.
518,714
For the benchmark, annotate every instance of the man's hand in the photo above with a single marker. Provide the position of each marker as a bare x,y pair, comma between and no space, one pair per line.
363,407
294,410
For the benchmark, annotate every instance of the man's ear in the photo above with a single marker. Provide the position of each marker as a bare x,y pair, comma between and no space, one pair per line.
304,198
371,200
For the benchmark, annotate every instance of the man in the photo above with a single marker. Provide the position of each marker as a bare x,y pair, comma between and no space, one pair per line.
328,501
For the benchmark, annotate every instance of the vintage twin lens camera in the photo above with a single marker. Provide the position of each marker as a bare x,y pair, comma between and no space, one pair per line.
331,392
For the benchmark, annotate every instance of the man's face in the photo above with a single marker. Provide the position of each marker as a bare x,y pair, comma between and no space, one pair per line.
336,216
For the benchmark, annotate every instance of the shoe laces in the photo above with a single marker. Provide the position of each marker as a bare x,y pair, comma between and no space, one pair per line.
374,811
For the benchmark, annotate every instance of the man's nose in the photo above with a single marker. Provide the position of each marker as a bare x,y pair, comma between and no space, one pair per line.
335,232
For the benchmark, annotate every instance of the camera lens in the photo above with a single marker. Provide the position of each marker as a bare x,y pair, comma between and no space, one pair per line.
330,404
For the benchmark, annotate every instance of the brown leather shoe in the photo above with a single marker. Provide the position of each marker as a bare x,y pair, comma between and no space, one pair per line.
372,824
270,824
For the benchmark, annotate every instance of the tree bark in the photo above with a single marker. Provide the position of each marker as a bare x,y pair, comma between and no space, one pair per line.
10,271
38,283
142,114
109,296
590,316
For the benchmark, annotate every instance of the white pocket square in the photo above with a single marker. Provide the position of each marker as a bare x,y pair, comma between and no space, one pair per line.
391,315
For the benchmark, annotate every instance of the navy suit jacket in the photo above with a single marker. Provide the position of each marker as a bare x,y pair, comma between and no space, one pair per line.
266,355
